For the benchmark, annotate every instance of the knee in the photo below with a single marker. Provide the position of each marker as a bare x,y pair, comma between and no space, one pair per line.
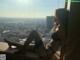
34,31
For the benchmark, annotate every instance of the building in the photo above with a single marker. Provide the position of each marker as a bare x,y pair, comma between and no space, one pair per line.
50,21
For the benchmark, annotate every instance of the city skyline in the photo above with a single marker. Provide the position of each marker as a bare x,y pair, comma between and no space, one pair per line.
29,8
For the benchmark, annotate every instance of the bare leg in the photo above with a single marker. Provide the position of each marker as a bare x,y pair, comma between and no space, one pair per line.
33,35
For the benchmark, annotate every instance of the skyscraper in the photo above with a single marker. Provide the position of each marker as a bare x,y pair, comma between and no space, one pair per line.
50,22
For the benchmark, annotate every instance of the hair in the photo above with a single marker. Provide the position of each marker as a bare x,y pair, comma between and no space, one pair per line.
62,14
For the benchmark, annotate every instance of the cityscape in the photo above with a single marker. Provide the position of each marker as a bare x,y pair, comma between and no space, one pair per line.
19,17
17,30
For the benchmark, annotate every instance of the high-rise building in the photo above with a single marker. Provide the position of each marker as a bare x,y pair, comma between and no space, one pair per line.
50,22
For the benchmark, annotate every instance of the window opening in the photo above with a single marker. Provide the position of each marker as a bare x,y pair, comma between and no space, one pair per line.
16,24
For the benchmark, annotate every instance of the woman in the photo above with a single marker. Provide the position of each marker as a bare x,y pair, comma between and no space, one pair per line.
59,32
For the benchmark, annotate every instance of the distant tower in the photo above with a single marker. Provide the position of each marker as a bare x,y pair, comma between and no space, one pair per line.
50,22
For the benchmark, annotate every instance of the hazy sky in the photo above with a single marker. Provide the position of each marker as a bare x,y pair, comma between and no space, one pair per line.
29,8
